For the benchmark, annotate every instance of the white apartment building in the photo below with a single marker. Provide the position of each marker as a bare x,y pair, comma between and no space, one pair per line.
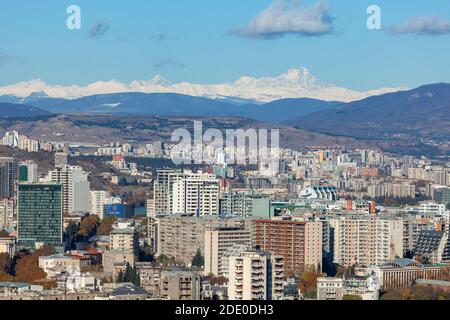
255,276
432,209
197,195
217,242
54,264
163,188
7,214
392,190
97,201
330,288
75,188
364,240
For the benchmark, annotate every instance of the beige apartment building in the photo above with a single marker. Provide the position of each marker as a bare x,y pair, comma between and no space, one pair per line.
256,276
217,242
180,236
124,237
365,241
8,245
180,285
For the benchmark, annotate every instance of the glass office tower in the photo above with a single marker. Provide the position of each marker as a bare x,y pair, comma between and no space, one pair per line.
40,216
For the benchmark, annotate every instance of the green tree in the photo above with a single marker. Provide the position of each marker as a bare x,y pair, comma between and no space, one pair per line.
146,254
131,275
198,260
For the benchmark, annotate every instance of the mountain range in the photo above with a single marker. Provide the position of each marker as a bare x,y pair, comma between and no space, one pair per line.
422,112
172,104
293,84
9,110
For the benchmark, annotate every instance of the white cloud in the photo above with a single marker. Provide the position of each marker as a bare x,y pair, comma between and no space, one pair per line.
423,26
289,16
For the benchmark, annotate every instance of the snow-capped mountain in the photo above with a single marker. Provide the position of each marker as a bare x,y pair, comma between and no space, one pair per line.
295,83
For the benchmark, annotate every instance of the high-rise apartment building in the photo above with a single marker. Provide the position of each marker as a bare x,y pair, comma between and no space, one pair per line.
256,276
8,173
28,172
366,240
299,243
197,195
75,188
163,189
61,159
7,214
185,192
242,204
40,215
180,236
217,242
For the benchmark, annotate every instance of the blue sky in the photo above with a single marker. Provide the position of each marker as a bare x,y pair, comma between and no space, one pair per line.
196,41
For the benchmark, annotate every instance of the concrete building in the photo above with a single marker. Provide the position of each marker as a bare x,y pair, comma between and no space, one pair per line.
58,263
180,236
180,285
366,240
196,194
8,174
330,288
163,190
244,204
217,242
61,159
402,273
98,200
256,276
392,190
124,237
442,194
75,188
431,245
299,243
115,261
8,245
28,172
7,214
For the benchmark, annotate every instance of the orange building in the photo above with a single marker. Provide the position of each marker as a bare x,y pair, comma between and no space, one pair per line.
299,243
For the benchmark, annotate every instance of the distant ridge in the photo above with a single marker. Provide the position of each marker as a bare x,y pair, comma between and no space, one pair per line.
10,110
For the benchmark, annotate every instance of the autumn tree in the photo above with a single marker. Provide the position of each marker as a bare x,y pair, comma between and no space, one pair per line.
27,268
5,263
4,234
106,226
308,283
88,226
